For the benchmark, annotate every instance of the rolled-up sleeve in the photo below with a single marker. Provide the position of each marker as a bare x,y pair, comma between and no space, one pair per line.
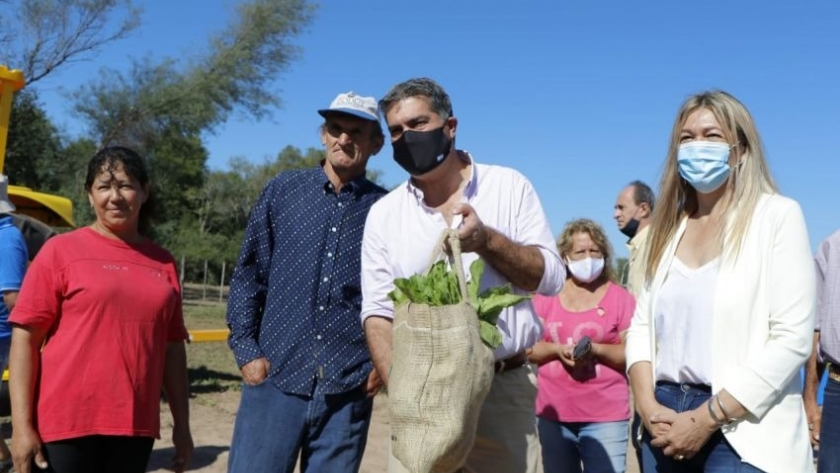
249,283
534,230
377,271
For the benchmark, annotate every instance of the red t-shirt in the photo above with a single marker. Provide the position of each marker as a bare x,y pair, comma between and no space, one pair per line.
595,392
111,308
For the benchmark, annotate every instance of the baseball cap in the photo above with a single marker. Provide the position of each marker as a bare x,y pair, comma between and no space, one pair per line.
353,104
6,205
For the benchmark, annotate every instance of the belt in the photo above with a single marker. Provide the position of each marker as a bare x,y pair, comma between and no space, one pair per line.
834,372
511,363
686,386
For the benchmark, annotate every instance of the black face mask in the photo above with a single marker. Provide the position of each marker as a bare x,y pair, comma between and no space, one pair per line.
418,152
631,228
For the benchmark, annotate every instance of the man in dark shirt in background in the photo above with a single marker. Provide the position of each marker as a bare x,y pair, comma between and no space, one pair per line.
294,308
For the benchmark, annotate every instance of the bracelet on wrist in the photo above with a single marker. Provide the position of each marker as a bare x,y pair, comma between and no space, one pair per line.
729,418
718,421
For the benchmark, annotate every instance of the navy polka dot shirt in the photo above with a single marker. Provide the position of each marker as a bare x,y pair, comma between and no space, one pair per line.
295,295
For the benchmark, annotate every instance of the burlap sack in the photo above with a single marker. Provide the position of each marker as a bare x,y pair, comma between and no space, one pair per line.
441,371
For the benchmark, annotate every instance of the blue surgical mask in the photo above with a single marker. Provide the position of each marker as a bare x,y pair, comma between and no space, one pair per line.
704,164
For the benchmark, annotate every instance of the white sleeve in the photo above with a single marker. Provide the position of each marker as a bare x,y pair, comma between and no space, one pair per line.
638,343
377,271
534,230
791,293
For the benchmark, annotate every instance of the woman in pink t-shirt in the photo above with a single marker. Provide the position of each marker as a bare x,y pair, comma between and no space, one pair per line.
98,330
583,398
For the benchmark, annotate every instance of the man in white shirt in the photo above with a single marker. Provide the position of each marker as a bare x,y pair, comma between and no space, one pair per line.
499,219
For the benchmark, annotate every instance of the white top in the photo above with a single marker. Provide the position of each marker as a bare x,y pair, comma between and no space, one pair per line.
762,333
401,231
684,323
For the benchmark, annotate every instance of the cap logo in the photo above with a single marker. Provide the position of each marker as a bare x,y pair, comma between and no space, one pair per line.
354,104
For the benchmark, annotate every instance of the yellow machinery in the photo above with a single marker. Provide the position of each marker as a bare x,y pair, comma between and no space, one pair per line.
53,210
10,82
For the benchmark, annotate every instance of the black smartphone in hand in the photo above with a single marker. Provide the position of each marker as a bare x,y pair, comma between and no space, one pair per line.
582,348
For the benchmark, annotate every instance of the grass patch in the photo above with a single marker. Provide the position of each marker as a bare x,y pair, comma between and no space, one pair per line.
211,365
204,316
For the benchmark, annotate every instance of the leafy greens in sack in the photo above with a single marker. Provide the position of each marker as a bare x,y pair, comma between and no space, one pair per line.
440,287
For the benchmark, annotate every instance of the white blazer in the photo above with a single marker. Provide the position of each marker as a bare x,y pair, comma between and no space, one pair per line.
763,328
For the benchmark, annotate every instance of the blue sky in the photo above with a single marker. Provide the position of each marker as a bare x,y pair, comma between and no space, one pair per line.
577,95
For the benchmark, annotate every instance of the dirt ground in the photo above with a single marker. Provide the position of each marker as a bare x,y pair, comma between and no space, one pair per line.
212,417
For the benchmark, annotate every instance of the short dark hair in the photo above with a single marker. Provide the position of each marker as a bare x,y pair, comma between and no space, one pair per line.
642,193
419,87
112,158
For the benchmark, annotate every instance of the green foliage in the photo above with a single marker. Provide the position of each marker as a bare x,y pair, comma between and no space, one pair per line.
176,165
197,94
437,288
40,36
162,108
75,157
33,150
440,287
621,270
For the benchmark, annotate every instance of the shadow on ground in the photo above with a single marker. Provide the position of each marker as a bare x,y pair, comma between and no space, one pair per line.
204,380
201,457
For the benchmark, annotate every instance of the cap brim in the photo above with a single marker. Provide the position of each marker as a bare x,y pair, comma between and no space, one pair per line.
348,111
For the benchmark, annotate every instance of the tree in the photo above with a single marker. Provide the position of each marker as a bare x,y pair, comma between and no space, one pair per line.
40,36
162,108
196,96
33,146
75,157
156,102
621,268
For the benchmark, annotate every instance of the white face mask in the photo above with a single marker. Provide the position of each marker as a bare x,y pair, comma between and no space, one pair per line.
586,270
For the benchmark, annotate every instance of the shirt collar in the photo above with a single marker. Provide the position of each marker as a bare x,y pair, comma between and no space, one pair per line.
469,190
357,186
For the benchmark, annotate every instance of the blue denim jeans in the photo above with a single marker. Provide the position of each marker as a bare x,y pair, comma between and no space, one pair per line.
717,456
829,457
272,428
634,438
600,447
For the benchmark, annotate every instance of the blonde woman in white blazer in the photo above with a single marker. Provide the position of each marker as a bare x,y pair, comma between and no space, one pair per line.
725,320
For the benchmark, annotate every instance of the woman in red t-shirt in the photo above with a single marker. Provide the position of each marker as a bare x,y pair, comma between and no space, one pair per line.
97,332
583,398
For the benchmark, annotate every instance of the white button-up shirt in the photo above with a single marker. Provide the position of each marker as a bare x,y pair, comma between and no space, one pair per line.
401,232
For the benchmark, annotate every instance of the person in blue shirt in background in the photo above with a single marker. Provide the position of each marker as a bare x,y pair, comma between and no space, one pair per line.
12,268
293,312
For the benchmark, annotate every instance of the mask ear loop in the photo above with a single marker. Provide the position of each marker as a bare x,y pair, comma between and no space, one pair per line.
737,147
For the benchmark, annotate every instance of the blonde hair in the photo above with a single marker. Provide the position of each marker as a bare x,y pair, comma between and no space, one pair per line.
598,236
748,180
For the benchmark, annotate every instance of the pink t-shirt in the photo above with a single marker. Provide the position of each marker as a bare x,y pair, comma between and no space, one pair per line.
592,393
111,308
